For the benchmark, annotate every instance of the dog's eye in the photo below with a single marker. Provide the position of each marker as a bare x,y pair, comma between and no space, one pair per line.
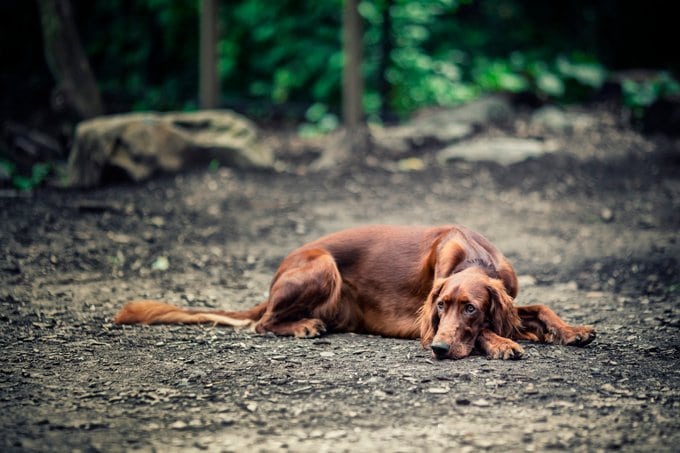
469,309
440,305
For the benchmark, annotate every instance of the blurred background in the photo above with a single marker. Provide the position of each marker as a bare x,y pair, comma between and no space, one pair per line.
281,62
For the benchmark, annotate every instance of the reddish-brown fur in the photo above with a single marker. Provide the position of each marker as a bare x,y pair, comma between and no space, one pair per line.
447,285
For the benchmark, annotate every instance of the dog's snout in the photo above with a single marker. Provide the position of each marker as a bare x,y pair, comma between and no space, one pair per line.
440,349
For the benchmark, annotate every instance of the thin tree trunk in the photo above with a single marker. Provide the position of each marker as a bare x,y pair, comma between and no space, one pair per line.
385,51
353,86
357,138
209,81
67,60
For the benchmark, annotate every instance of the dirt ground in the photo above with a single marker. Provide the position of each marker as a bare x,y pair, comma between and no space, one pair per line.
591,229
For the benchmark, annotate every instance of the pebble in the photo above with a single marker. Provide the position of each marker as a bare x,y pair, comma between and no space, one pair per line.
157,221
607,215
530,390
179,424
411,164
483,443
438,390
336,434
251,407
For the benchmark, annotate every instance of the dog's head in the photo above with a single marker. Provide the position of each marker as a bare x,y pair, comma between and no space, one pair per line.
457,309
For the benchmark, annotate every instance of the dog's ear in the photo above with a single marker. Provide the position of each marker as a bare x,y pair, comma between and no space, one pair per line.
449,255
429,316
503,314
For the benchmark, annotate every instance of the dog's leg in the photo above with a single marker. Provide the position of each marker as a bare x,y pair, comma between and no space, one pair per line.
497,347
303,297
540,323
302,328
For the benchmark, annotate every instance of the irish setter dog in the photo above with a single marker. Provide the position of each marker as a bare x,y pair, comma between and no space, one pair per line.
447,285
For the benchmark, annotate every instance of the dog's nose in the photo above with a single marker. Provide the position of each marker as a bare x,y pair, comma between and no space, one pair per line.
440,349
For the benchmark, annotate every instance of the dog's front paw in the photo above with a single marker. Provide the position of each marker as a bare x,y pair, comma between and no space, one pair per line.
309,328
505,350
575,336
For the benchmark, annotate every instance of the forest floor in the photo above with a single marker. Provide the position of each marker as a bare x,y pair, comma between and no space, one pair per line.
592,230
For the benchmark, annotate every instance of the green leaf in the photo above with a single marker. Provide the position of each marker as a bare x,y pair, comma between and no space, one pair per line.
590,74
22,182
316,112
39,172
7,167
214,165
550,84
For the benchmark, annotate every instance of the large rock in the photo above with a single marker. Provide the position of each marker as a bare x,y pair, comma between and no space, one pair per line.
487,109
142,144
403,139
554,120
502,150
443,127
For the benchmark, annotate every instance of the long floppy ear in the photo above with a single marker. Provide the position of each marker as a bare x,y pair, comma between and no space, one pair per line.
449,255
505,320
428,316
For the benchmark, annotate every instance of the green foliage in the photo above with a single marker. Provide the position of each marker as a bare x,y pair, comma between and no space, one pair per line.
288,53
213,165
563,78
38,174
319,121
640,94
421,74
282,52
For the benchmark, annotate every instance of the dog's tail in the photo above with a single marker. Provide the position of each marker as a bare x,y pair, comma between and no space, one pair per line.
155,312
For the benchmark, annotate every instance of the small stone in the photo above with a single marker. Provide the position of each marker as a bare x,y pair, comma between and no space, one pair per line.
336,434
607,215
483,443
251,407
300,228
438,390
481,403
161,264
530,390
411,164
179,424
608,388
157,221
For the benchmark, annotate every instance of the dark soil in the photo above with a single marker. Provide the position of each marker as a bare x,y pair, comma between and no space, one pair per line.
592,231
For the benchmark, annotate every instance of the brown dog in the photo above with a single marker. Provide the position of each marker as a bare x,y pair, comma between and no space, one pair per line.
447,285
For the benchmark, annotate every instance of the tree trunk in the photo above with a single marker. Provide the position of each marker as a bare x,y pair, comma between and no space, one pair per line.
385,51
357,135
354,141
67,60
209,80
